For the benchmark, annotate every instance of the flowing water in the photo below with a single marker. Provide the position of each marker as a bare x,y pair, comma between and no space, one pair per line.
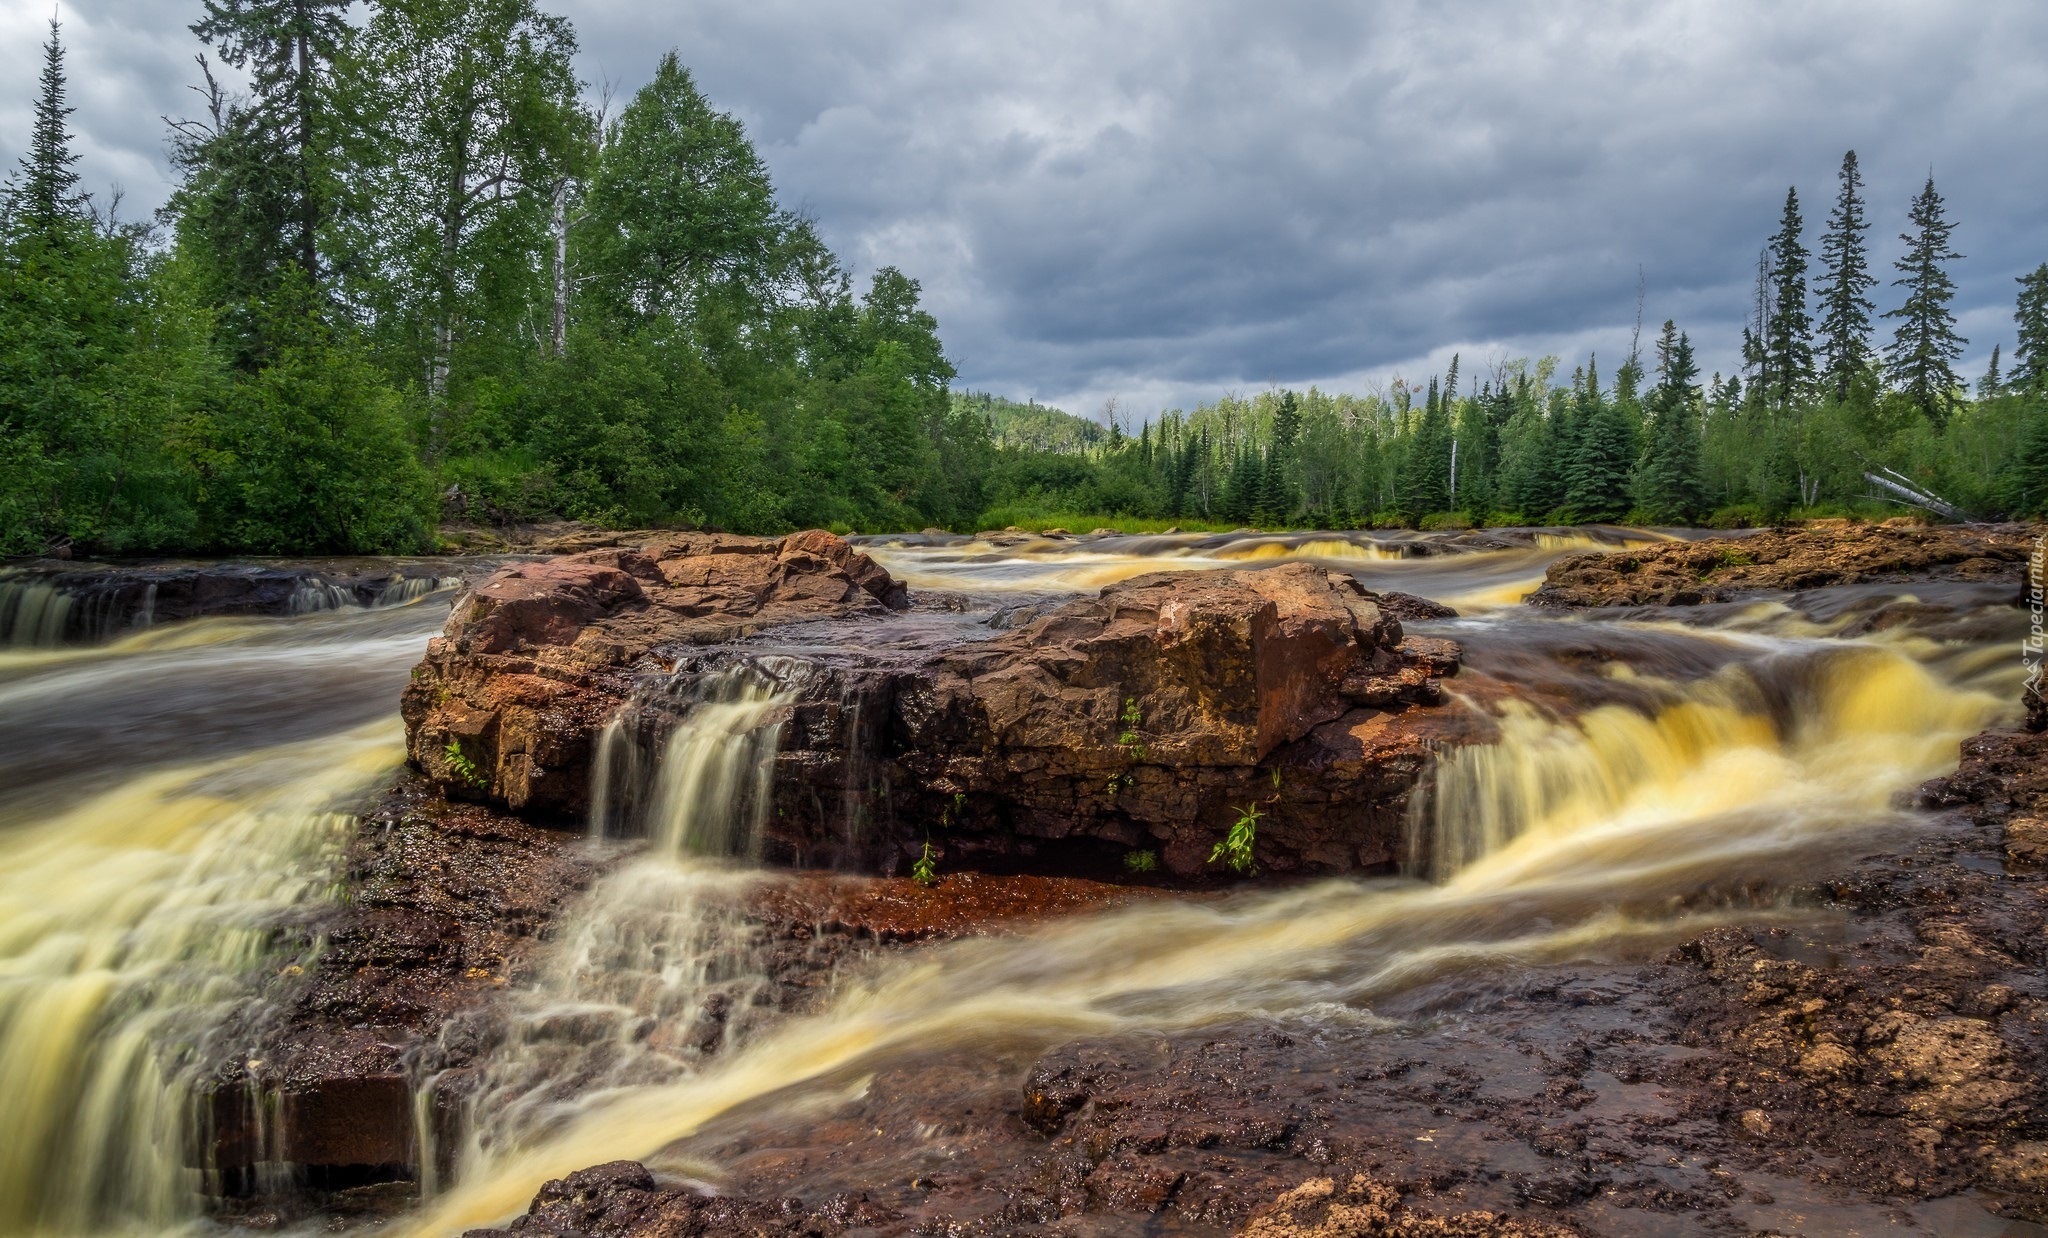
173,800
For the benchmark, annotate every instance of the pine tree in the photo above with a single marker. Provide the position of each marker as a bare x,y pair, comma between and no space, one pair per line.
1424,485
1990,385
1670,485
288,48
45,200
2030,353
1600,457
1788,332
1845,285
1277,498
1921,363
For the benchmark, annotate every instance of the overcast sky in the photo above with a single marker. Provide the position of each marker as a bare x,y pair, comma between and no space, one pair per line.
1163,201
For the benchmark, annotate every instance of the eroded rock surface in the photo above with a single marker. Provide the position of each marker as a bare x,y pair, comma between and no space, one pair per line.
507,703
1723,569
1145,719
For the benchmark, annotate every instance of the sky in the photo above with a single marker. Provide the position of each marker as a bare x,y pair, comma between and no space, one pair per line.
1163,202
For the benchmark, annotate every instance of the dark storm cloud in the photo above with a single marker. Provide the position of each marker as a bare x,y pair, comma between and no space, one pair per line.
1166,201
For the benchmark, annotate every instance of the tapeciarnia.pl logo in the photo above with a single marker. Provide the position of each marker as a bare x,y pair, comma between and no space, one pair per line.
2032,648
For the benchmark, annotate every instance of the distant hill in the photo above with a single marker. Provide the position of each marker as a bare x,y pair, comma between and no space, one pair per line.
1039,427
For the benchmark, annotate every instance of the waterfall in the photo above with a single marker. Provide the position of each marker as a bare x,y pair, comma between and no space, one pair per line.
658,968
707,792
31,614
132,927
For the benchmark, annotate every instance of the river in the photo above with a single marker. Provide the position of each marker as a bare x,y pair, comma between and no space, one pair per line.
172,802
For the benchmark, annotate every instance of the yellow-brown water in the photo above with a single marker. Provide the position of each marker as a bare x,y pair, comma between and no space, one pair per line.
140,881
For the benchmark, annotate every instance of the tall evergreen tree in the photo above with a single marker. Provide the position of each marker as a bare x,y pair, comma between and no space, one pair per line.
1669,483
1845,285
44,200
1788,332
1921,363
1277,499
1601,457
1992,383
288,48
2030,353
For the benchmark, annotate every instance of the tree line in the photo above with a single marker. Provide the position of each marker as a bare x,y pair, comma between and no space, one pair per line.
1821,420
411,272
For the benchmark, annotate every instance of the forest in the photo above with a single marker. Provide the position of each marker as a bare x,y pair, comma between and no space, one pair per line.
412,274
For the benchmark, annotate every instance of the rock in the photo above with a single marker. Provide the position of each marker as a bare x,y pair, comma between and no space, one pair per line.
534,661
80,602
1364,1208
2026,840
1145,719
1720,569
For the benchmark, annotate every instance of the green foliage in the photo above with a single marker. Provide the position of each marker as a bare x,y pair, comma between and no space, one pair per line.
461,766
1235,849
1141,862
1129,739
925,870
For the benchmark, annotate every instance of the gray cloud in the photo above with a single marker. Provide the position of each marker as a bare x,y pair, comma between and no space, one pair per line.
1163,202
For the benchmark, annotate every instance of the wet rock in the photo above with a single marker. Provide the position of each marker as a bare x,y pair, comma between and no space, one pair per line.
1722,569
51,602
534,660
2026,840
1362,1207
1131,727
622,1199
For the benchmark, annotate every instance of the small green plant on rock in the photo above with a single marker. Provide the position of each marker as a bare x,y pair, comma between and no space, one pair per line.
1236,847
464,768
1129,739
925,871
1141,861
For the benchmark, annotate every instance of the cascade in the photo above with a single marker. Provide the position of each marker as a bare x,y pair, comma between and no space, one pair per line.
1568,838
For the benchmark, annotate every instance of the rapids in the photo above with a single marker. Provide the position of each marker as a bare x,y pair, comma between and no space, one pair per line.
170,806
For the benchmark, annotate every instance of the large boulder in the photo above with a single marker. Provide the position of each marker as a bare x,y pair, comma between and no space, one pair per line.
1130,728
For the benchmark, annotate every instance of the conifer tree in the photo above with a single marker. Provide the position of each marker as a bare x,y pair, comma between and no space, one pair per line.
1670,487
1990,385
1921,362
2030,353
288,48
1788,332
1424,486
1845,285
1601,459
45,198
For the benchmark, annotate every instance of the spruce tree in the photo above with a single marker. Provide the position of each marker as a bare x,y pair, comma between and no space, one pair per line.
1845,285
2030,353
1670,485
288,48
1600,458
1424,485
1277,500
1990,385
1921,363
1788,332
45,199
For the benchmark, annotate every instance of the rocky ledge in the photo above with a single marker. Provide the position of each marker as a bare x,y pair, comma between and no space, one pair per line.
1132,727
50,602
1786,560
